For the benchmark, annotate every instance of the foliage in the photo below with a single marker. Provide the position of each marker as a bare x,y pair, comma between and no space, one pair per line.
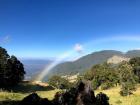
107,85
59,82
127,77
95,84
11,69
106,75
102,99
102,75
135,63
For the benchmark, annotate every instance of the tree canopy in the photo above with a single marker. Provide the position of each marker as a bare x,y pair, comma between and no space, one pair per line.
135,63
127,77
59,82
11,69
105,75
102,75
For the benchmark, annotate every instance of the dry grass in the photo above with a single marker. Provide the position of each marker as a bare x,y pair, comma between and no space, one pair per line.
48,94
116,99
5,95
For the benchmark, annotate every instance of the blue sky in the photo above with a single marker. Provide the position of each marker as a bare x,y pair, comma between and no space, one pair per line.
48,28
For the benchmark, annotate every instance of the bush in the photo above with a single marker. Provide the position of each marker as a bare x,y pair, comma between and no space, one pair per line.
102,99
106,85
59,82
95,84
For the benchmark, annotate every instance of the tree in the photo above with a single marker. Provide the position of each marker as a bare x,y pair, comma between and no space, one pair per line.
103,75
11,69
127,79
16,70
59,82
135,63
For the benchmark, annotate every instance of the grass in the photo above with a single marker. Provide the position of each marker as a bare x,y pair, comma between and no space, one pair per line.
48,94
12,98
116,99
5,95
113,93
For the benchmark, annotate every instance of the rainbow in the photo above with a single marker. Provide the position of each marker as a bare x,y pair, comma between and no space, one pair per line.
69,53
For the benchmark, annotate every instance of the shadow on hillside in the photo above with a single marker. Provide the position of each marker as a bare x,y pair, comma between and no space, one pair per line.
28,88
9,102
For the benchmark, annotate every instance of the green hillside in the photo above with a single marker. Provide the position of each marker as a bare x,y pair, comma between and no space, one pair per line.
89,60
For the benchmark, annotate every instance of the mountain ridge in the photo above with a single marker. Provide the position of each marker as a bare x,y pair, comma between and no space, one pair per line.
89,60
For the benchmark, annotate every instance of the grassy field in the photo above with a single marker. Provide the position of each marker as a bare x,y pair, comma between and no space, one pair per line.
4,95
115,98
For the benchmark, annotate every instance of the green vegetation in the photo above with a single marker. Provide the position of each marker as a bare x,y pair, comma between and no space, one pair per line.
125,74
135,63
127,78
11,69
59,82
102,75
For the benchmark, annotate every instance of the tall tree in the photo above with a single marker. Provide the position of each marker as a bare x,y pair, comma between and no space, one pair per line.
11,69
127,79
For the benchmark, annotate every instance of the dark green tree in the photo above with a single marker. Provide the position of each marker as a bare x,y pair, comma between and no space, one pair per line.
135,63
11,69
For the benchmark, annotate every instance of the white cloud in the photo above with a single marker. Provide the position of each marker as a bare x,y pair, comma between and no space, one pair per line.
5,39
78,48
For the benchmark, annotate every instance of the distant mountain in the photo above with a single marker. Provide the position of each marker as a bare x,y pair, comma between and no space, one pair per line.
34,66
88,61
133,53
